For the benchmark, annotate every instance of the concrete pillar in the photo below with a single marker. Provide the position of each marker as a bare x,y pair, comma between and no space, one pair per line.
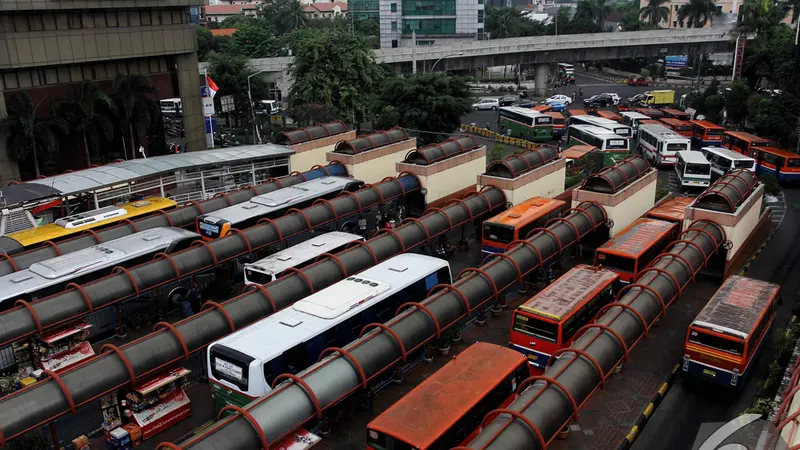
9,171
189,87
540,78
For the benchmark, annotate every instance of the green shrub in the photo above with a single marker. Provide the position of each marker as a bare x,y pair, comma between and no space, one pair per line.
770,183
661,192
497,152
572,180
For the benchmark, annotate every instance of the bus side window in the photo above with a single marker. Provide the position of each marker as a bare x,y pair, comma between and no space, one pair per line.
755,336
273,368
296,359
443,276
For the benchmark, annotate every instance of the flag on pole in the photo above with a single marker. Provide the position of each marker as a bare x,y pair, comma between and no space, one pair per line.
212,87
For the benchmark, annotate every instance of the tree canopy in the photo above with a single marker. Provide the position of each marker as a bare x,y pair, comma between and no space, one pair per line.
654,12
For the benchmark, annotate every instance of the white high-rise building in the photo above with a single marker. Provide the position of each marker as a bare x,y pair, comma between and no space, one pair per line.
436,22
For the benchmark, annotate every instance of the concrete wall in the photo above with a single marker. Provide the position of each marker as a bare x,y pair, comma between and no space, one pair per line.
374,165
545,181
626,205
455,175
311,153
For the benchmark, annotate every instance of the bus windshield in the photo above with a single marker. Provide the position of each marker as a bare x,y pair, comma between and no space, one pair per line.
734,347
616,144
536,327
713,131
498,232
677,147
617,263
793,162
257,277
747,163
697,169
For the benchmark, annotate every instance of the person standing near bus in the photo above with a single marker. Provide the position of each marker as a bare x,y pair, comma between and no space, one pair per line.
362,226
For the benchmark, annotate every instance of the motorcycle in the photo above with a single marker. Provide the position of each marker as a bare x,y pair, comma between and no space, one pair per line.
445,250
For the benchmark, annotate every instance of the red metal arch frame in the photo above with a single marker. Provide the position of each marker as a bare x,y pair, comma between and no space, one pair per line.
409,174
424,309
598,205
602,176
85,297
208,248
630,308
583,211
130,224
33,314
250,187
394,234
678,286
789,419
700,230
349,356
527,244
161,255
602,327
554,382
722,183
372,144
491,415
248,417
390,332
274,225
168,326
551,234
165,214
223,194
462,203
303,215
122,357
302,275
420,153
677,257
64,390
303,385
320,167
52,244
693,244
479,272
730,202
275,180
264,292
375,188
482,195
169,445
708,222
196,205
94,235
322,201
642,288
299,174
578,235
238,232
442,212
495,256
120,269
579,352
450,287
363,244
214,305
354,197
399,184
336,260
421,225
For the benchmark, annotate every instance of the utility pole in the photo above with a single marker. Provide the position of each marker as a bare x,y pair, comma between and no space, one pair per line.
413,51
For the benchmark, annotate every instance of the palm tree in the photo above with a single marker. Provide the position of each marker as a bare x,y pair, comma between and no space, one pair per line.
698,12
655,12
88,113
504,23
759,16
601,11
135,107
29,134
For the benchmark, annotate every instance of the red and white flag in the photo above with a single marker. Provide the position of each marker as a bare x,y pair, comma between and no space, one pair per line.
212,87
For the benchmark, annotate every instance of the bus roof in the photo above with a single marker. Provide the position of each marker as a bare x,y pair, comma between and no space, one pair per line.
707,124
778,151
728,153
578,151
437,403
567,293
649,122
647,111
634,240
597,119
675,112
737,306
594,129
541,109
692,157
316,313
530,208
520,110
746,136
608,115
554,115
304,251
659,129
673,209
633,115
577,112
675,122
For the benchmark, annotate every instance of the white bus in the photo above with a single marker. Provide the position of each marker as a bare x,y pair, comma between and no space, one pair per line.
693,170
659,144
601,138
297,256
171,106
632,118
273,204
610,125
569,71
244,365
723,160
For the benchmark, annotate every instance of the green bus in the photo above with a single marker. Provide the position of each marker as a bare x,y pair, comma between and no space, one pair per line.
525,123
612,147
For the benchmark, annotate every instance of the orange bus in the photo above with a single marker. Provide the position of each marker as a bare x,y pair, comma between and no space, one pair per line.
542,108
633,248
779,162
650,121
610,115
446,409
672,210
742,142
577,112
516,222
548,321
650,112
558,122
706,134
670,113
679,126
728,333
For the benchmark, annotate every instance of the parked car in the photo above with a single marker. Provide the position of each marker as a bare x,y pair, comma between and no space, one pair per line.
560,98
526,103
557,106
599,101
486,104
614,97
636,99
507,101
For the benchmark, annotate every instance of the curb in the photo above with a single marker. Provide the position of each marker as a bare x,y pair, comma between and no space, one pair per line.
630,438
756,253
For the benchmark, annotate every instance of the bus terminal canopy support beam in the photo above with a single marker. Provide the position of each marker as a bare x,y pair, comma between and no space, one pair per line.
614,178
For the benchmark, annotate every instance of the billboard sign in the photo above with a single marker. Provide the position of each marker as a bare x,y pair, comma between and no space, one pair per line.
677,61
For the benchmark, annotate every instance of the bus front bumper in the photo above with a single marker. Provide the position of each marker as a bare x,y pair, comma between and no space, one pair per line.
535,359
711,374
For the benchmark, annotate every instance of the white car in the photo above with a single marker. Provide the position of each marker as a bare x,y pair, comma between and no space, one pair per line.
559,98
486,104
613,96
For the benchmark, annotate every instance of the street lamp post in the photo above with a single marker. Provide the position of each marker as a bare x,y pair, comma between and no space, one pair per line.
256,134
444,57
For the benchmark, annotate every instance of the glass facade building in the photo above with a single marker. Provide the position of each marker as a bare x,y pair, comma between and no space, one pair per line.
364,9
435,22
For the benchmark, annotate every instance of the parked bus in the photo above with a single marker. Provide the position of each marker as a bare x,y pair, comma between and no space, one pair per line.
632,118
171,106
654,114
611,115
76,224
672,210
775,161
274,266
633,248
577,112
725,338
516,222
243,365
559,127
548,321
446,409
659,144
693,170
271,205
670,113
681,127
724,160
525,123
742,142
598,137
543,108
81,266
607,124
568,70
648,122
705,133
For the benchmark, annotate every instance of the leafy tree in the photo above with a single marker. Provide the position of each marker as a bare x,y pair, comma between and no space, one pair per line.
584,20
230,73
237,21
136,107
285,15
506,22
562,19
31,137
311,113
433,102
736,102
89,113
698,13
774,117
204,39
759,16
334,68
712,107
655,12
601,10
255,39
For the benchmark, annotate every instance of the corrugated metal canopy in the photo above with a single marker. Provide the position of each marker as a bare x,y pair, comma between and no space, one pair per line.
126,171
437,152
518,164
613,178
24,192
310,133
369,142
727,193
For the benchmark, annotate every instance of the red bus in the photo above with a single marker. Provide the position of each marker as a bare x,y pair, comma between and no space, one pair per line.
542,108
706,134
549,320
650,121
558,122
577,112
679,126
516,222
742,142
633,248
728,333
446,409
610,115
776,161
654,114
672,210
670,113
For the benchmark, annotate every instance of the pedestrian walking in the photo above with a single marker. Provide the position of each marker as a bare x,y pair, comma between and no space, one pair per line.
362,226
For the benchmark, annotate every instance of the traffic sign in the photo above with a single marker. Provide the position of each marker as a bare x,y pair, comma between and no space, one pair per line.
226,101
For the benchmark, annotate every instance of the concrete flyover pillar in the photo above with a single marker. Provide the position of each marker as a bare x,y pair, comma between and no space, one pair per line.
189,87
540,78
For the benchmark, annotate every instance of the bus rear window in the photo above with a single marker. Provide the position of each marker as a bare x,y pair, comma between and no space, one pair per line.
544,120
697,169
536,327
254,276
616,263
745,164
713,132
793,162
498,233
677,147
734,347
616,144
683,128
224,368
622,131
